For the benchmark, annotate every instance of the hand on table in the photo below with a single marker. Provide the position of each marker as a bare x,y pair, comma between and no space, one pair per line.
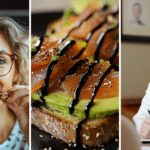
18,102
145,129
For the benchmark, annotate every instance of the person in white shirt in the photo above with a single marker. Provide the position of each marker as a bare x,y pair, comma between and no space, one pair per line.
142,118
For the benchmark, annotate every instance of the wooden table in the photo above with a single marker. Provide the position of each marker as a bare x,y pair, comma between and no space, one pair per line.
130,110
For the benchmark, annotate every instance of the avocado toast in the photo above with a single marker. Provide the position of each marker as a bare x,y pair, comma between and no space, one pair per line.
74,91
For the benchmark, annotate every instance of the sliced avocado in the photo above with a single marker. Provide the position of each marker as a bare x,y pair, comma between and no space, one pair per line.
101,108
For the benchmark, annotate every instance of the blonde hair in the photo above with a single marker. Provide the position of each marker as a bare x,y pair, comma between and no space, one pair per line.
17,37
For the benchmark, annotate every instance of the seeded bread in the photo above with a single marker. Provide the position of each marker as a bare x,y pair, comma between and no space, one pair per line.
93,133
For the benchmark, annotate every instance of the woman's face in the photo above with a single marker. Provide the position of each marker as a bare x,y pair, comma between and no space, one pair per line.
7,80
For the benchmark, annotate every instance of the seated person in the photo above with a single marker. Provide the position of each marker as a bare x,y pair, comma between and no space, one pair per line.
142,118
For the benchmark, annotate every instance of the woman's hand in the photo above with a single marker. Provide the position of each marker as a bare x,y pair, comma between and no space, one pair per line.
145,129
18,102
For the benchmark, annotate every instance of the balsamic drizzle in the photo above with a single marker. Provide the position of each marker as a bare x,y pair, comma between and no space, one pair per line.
114,53
44,90
88,38
76,93
41,40
73,69
91,33
100,41
90,104
79,87
89,70
78,25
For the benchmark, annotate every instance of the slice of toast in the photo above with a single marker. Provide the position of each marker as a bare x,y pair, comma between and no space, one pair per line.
94,132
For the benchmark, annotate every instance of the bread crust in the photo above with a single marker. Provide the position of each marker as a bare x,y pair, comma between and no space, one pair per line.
93,133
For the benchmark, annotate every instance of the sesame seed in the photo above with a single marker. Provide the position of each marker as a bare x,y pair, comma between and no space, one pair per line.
45,148
53,131
69,144
66,100
41,135
51,136
84,146
84,135
50,148
105,83
87,137
97,135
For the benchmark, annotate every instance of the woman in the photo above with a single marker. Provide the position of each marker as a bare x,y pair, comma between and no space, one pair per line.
14,111
142,118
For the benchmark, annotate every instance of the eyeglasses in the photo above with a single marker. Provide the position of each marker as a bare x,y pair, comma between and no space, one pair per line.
6,61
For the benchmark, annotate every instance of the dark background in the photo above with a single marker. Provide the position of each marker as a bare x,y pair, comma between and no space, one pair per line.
40,21
16,5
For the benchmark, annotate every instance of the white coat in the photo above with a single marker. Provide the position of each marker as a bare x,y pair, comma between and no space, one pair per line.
144,111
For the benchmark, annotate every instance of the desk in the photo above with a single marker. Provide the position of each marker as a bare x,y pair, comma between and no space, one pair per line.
130,110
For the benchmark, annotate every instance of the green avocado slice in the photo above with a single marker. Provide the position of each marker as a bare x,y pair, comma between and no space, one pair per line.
101,108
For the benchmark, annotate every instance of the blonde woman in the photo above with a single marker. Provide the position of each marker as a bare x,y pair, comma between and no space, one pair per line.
14,92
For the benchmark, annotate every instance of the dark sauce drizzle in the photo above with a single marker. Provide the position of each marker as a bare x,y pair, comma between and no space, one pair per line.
73,69
80,23
88,38
76,93
43,91
79,87
91,33
101,39
114,53
41,40
100,79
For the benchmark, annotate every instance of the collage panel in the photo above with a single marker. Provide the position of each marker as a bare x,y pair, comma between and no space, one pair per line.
14,75
75,74
135,75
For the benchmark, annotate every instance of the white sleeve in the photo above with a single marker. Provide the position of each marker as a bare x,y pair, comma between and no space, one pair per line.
143,111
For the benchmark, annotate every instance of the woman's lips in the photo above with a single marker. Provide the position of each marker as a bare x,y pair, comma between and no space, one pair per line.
4,95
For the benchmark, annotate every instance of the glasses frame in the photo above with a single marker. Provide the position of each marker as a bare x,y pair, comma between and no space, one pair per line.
12,57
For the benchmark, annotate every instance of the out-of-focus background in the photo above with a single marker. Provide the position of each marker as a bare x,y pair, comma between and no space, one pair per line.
135,71
17,10
45,11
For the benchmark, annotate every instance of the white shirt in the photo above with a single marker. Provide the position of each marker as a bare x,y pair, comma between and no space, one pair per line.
143,111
